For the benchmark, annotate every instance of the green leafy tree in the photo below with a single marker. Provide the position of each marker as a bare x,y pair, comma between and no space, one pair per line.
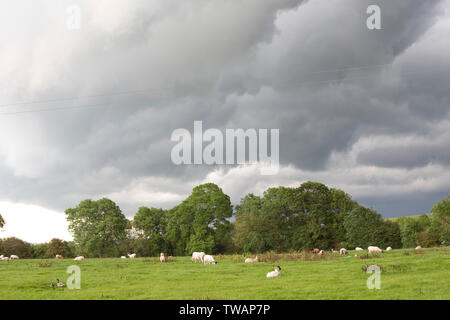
365,227
410,228
319,225
2,222
17,247
151,224
200,223
39,250
57,246
440,221
98,227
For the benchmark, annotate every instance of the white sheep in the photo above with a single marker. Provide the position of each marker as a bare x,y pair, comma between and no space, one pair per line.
274,273
418,248
207,259
132,256
373,249
58,256
197,256
250,260
4,259
343,251
321,253
13,257
162,258
359,249
80,258
388,249
123,257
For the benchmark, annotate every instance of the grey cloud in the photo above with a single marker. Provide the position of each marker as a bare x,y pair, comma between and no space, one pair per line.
272,64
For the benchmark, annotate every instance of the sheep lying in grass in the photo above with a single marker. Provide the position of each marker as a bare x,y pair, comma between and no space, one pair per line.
123,257
250,260
274,273
418,248
388,249
14,257
58,256
80,258
359,249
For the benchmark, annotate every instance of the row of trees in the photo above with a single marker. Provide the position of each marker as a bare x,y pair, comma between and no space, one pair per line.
10,246
282,219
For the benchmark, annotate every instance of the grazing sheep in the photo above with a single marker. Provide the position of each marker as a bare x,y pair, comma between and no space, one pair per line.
4,259
58,256
388,249
418,248
80,258
321,253
13,257
315,250
274,273
197,256
162,258
132,256
207,259
123,257
359,249
250,260
373,249
343,251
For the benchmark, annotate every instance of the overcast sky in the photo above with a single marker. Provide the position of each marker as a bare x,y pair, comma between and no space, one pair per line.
366,111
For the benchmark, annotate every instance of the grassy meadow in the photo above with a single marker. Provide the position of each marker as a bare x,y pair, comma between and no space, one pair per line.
406,274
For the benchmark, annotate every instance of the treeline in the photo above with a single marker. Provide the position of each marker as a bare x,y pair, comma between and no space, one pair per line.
282,219
25,250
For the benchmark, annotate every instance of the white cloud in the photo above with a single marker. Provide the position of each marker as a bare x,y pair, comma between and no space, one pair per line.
33,223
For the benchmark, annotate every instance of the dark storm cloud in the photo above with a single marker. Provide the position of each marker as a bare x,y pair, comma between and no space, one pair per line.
311,69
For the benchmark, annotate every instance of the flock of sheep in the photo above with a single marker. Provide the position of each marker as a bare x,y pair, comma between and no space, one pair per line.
13,257
209,259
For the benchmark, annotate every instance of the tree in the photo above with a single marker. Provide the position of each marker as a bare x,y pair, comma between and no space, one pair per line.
200,223
151,223
292,218
2,222
319,227
250,232
17,247
39,250
440,220
410,228
57,246
365,227
98,227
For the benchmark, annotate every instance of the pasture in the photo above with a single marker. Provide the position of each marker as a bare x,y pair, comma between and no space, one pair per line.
406,274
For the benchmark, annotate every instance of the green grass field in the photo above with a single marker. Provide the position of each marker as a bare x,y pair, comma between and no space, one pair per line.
405,275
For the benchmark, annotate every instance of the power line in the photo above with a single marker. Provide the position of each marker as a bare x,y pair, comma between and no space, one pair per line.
129,92
109,105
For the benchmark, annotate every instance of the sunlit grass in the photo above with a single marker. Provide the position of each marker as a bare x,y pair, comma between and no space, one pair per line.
404,276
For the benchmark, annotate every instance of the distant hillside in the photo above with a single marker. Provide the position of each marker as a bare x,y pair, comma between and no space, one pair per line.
416,216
